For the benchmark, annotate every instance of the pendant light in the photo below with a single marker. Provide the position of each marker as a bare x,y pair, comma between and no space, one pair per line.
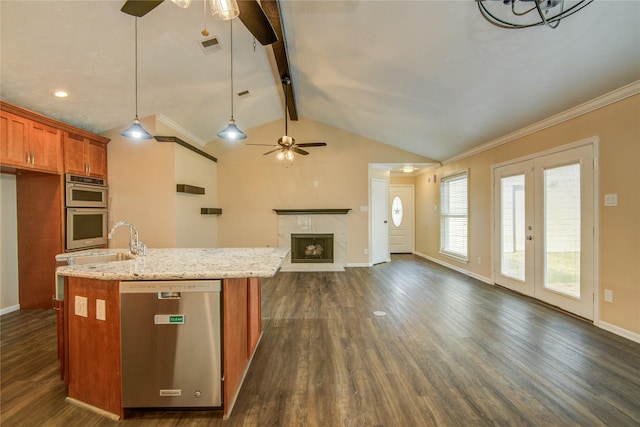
136,131
232,132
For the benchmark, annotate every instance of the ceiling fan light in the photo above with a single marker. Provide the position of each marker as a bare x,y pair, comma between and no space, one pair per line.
226,9
280,155
136,131
289,155
182,3
232,132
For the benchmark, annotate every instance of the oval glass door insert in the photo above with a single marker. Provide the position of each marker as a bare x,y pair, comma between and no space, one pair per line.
396,211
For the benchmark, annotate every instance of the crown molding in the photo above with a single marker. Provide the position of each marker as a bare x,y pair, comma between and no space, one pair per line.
589,106
175,126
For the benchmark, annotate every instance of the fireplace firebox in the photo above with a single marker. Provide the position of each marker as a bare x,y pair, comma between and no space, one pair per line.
312,248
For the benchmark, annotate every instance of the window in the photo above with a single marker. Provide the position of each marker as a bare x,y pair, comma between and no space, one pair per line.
454,208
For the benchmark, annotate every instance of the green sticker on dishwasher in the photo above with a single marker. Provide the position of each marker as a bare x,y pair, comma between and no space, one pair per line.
168,319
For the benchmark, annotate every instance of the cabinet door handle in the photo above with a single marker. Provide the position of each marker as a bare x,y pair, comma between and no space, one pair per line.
28,157
33,158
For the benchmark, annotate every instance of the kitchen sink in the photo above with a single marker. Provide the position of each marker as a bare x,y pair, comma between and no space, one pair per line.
99,259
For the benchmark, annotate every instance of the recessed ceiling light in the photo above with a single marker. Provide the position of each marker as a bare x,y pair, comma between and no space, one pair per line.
60,93
407,169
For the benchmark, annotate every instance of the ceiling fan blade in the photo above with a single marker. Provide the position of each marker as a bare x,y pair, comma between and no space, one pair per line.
254,18
312,144
139,8
299,151
272,151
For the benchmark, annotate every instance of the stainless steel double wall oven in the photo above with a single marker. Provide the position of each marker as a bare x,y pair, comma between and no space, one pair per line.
86,201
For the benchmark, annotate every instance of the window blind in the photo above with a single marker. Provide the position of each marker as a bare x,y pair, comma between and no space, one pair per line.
454,207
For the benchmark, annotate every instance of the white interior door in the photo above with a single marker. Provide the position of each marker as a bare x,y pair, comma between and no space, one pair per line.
401,212
379,220
544,210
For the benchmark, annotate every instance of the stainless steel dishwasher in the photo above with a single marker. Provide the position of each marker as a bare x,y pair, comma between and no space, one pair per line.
171,347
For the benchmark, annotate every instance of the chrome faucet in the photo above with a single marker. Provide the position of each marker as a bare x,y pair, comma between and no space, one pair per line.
136,247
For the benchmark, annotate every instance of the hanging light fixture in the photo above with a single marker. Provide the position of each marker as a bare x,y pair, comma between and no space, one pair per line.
225,9
529,13
232,132
136,131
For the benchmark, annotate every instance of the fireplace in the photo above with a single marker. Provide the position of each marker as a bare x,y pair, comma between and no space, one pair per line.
311,248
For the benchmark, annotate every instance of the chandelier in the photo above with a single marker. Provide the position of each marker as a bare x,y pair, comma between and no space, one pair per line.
528,13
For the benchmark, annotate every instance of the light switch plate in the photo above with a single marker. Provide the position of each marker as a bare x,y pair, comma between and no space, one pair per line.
611,200
101,309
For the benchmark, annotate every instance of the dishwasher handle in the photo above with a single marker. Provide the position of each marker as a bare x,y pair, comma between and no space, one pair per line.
168,295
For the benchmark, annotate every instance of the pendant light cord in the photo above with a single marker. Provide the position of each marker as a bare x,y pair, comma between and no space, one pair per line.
136,51
231,29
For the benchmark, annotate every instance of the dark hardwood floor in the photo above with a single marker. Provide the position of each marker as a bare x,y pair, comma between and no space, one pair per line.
450,351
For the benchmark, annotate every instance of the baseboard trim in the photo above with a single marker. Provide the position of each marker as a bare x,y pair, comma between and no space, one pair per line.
359,264
456,268
9,309
619,331
92,408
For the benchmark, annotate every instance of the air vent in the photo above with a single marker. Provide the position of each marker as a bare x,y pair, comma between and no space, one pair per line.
210,45
243,93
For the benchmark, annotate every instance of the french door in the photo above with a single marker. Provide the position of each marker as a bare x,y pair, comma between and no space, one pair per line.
544,228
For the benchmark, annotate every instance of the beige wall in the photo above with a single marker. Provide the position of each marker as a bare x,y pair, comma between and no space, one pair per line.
251,185
194,230
8,244
618,127
142,190
408,179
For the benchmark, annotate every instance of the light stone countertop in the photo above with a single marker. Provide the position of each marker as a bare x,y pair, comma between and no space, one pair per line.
178,264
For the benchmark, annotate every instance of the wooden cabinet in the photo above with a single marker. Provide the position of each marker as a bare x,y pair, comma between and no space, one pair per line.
84,156
28,144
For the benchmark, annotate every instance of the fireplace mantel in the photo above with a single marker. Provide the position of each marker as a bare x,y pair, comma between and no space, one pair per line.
334,211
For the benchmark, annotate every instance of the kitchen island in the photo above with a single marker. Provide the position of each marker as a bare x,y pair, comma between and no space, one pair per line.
89,290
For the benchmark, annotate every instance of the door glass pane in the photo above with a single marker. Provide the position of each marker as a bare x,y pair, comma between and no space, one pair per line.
513,227
396,211
562,229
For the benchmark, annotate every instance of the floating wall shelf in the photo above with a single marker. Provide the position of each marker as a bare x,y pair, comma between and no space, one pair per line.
191,189
210,211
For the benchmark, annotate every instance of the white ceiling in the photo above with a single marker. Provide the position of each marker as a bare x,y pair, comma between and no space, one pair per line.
431,77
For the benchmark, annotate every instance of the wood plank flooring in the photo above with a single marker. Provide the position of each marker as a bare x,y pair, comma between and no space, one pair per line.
450,351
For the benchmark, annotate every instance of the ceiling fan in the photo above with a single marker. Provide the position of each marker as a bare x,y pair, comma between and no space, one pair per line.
286,144
251,15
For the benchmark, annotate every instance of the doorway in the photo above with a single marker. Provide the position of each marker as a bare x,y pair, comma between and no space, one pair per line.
379,220
544,228
401,212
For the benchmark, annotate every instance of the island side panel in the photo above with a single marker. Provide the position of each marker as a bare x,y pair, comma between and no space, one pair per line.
94,367
235,317
255,315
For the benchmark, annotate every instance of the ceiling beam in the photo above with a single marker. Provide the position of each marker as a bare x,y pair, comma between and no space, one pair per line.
272,10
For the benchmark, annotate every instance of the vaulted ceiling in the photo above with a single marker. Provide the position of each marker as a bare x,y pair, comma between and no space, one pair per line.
431,77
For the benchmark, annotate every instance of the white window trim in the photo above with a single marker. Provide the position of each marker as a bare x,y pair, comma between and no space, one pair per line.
443,180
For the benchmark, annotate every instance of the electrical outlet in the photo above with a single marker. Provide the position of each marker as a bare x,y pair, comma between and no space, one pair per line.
101,309
81,308
608,295
479,260
365,251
